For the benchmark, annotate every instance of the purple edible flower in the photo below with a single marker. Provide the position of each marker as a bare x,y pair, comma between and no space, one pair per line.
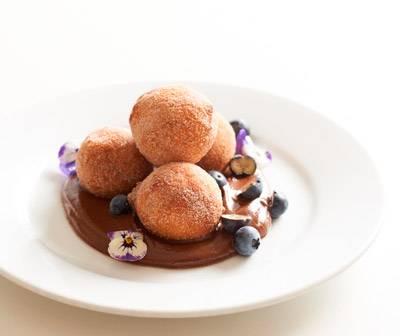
248,147
67,156
126,245
68,169
61,150
240,140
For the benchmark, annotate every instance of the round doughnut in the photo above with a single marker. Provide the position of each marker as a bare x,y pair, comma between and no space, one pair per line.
223,148
178,201
173,124
108,162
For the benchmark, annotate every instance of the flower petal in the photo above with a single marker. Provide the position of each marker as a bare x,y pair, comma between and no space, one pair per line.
129,257
68,169
116,244
250,149
139,250
116,249
67,156
114,234
136,235
68,152
240,139
61,151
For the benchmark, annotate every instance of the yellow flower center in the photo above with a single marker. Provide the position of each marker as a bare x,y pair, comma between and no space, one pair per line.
128,240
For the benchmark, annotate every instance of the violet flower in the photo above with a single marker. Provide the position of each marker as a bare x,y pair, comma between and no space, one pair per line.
126,245
240,140
67,156
245,146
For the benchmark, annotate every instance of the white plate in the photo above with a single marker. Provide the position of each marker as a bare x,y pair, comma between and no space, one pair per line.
334,213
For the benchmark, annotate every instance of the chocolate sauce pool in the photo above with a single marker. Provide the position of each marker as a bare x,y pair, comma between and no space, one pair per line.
90,219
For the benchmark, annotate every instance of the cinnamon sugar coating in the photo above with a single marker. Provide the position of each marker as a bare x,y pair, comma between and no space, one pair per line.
109,163
173,124
223,148
178,201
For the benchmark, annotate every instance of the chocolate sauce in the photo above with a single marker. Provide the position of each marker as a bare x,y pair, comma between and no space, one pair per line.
257,209
90,219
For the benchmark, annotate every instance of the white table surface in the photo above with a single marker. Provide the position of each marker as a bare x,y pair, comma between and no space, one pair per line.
339,57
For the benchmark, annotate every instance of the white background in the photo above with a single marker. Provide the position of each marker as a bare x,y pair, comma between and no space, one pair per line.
338,57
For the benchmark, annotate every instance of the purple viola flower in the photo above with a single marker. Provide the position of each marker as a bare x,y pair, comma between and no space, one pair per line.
126,245
68,169
67,156
240,140
249,148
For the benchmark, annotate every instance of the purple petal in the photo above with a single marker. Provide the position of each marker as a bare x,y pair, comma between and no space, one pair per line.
240,140
61,150
67,156
127,257
114,234
268,154
68,169
137,235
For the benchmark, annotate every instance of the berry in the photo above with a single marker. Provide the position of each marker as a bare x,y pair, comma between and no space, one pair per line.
231,222
218,177
119,205
247,240
252,191
239,124
279,205
242,165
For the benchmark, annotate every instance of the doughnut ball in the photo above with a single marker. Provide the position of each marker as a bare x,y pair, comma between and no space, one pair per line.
178,201
173,124
108,163
223,148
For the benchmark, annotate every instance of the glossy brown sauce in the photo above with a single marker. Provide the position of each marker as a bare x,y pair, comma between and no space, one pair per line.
256,209
90,219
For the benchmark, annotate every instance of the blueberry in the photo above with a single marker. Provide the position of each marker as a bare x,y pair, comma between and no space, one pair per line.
232,222
218,177
279,205
247,240
239,124
242,165
119,205
252,191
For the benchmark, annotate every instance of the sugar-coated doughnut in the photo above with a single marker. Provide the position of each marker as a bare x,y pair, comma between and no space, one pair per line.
173,124
108,162
178,201
223,148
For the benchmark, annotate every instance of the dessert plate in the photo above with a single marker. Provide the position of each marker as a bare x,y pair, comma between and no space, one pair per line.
334,193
